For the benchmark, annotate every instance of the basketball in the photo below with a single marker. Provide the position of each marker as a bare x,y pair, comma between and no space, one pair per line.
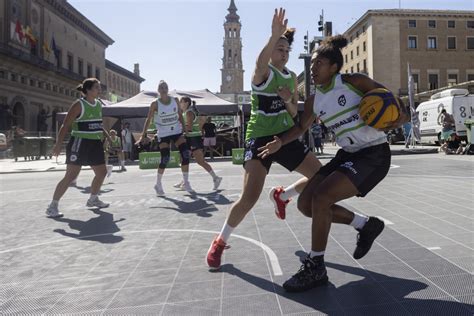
378,108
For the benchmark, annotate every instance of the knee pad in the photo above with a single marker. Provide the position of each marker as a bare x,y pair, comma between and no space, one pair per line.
185,154
165,157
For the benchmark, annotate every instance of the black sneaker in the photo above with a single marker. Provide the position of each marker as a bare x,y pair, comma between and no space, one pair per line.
312,273
367,235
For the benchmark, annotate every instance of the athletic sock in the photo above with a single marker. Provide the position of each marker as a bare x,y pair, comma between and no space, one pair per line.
359,221
94,197
54,203
226,232
313,254
186,177
213,174
289,192
158,178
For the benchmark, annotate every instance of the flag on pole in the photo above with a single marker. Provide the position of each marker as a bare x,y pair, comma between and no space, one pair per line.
415,121
29,34
46,47
19,30
54,48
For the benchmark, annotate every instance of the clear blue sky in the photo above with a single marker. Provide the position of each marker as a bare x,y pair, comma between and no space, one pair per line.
180,41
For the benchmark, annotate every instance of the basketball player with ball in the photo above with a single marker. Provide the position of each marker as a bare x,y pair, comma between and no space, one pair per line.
357,109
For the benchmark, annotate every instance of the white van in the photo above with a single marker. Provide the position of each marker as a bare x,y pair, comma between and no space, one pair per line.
457,102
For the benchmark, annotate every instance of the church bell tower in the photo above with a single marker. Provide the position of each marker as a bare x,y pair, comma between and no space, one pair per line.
232,74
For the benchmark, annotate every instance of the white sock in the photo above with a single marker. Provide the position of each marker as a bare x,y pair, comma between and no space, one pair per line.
186,177
213,174
94,197
122,163
313,254
226,232
158,178
289,192
359,220
54,203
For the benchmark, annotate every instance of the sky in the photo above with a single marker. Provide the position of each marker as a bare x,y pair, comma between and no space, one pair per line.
181,41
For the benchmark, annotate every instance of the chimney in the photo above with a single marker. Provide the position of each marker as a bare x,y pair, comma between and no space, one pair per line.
136,69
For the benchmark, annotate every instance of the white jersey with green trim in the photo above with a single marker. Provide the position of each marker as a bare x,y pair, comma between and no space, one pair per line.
338,108
167,119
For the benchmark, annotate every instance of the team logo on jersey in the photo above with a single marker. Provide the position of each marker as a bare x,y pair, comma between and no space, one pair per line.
349,165
341,100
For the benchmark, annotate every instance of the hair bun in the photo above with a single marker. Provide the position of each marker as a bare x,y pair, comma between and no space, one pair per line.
338,41
289,35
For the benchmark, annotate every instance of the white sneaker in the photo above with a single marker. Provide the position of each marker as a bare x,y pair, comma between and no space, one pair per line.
179,185
96,203
217,182
187,187
109,170
53,212
159,189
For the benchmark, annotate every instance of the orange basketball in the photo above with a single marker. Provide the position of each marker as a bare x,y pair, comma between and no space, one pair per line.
379,107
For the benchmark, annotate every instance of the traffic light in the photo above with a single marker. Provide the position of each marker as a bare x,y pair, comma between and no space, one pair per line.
321,23
306,42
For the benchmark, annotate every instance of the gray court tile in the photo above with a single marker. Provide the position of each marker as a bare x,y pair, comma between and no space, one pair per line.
108,282
378,257
320,299
31,305
456,285
441,306
195,291
196,308
468,300
437,267
246,284
362,295
135,310
196,274
263,304
394,309
454,250
391,271
81,302
150,278
416,288
466,263
140,296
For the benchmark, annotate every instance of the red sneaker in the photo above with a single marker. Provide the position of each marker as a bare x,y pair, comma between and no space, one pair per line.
280,205
214,253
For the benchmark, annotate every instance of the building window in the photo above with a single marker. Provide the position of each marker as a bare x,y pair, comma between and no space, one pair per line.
364,46
89,70
411,23
412,42
470,24
23,79
357,50
432,42
32,82
61,90
364,27
451,42
345,58
358,67
60,58
13,77
3,74
470,43
55,88
352,55
452,79
97,73
470,77
40,84
416,79
48,86
451,24
365,67
432,24
357,34
80,67
432,81
70,61
352,69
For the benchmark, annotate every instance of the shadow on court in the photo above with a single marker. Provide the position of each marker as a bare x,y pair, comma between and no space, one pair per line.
386,295
100,229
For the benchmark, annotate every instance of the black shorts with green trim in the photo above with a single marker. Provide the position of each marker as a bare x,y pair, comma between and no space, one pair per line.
85,152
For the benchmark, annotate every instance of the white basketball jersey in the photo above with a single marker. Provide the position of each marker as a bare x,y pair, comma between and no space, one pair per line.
338,108
167,119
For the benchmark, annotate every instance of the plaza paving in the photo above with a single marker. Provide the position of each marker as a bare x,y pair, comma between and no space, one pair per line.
145,254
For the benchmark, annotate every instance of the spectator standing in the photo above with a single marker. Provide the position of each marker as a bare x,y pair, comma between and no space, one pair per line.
209,131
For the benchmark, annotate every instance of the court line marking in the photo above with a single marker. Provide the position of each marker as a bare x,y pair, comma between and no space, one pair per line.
275,264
